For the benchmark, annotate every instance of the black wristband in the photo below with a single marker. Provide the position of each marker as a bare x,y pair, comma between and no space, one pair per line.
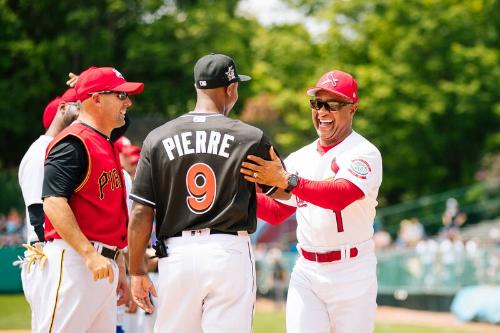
293,180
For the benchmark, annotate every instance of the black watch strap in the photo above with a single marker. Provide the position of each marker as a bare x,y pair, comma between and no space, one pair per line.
293,180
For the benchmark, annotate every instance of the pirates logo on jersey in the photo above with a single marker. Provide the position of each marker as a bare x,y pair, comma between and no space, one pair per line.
360,168
111,178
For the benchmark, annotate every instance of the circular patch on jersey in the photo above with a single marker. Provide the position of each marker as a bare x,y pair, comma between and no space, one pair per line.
360,168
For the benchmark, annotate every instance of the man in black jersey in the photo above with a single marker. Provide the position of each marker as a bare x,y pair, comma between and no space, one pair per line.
188,178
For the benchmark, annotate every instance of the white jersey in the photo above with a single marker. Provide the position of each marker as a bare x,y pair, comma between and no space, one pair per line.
354,159
31,178
128,188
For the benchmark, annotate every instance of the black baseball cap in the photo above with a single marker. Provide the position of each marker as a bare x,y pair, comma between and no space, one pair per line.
216,70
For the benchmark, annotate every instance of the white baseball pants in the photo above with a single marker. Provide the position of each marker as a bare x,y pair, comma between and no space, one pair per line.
63,295
336,297
206,284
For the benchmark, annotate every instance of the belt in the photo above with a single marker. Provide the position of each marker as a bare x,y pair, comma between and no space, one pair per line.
212,232
328,256
106,251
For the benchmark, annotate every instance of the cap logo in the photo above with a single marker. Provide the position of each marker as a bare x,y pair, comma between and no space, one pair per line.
118,74
230,73
202,83
330,79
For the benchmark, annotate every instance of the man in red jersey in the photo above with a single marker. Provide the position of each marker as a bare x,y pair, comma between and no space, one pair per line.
74,286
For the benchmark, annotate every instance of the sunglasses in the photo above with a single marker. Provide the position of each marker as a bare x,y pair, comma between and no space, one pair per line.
329,106
121,95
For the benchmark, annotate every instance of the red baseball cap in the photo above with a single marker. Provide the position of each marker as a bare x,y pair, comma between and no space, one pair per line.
122,142
97,79
339,83
50,111
69,96
132,152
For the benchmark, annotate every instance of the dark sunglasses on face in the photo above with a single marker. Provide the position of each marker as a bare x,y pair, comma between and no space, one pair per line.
121,95
329,106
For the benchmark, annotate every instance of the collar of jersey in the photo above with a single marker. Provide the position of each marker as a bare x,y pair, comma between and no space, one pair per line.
204,114
87,125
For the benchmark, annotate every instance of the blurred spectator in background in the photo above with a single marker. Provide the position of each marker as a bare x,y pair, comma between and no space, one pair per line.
279,277
382,239
3,220
13,223
411,231
494,234
260,251
453,218
129,155
11,231
129,158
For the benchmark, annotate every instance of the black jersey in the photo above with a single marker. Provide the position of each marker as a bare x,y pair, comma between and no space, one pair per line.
189,172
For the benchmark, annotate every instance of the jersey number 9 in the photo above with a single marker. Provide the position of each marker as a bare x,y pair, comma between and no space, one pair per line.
201,186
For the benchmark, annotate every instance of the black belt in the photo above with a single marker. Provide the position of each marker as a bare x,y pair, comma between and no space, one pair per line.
212,232
108,253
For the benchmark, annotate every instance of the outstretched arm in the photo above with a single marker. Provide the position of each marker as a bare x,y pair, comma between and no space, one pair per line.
272,211
334,194
139,232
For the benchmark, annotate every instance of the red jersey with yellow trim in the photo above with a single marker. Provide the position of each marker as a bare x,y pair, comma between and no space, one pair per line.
99,202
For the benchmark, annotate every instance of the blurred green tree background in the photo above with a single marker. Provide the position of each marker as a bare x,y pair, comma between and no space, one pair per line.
428,72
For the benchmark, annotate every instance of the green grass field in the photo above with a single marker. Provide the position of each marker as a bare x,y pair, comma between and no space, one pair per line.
15,315
275,323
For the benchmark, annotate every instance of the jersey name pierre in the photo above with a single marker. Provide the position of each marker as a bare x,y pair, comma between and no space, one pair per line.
198,142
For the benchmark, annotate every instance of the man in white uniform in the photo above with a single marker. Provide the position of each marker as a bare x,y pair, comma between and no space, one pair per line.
58,114
334,184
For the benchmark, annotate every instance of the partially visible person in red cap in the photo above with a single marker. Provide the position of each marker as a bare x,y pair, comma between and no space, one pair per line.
129,158
86,214
334,184
58,114
63,109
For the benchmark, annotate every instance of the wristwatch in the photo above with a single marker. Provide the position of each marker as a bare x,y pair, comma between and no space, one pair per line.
293,180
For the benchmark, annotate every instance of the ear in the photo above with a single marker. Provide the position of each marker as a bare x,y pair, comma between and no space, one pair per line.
354,109
231,89
96,98
61,108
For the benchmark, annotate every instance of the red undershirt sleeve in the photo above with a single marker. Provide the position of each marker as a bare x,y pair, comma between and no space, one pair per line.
272,211
335,195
